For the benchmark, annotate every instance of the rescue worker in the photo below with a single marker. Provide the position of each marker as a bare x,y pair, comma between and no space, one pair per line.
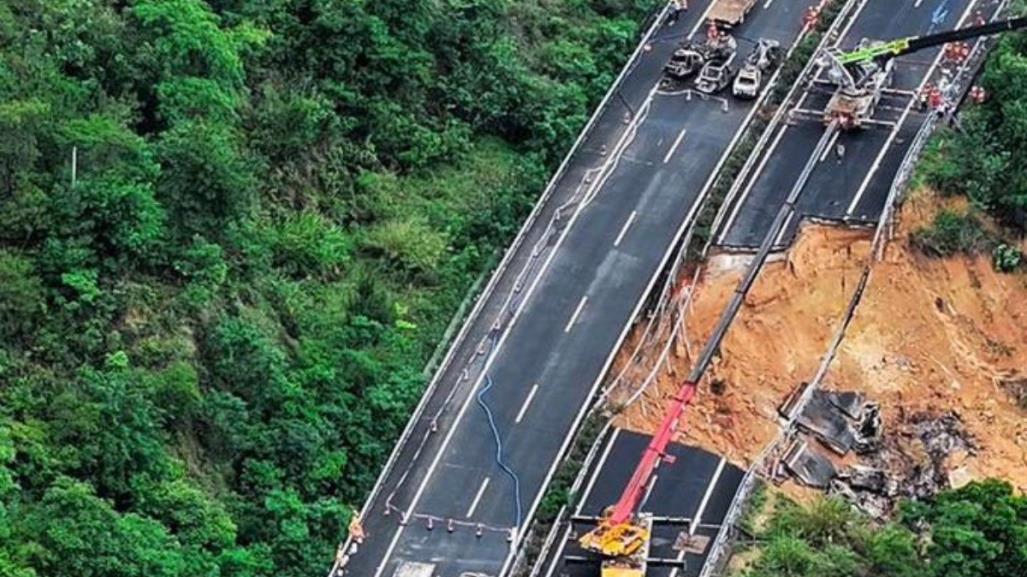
680,6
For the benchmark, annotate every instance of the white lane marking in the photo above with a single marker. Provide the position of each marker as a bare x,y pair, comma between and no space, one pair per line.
559,553
830,145
697,518
673,147
477,498
598,468
527,402
752,181
898,125
917,3
618,149
702,508
784,228
624,229
685,224
767,4
648,491
581,502
574,317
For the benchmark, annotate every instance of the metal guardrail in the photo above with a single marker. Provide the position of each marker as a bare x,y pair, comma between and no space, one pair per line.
499,272
762,464
666,296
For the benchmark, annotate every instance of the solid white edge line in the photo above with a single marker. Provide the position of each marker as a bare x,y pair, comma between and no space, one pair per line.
685,225
674,147
527,403
902,119
584,499
494,353
574,317
697,518
624,229
559,552
477,498
752,180
598,467
830,146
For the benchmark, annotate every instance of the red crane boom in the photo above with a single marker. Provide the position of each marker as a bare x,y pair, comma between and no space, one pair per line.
656,452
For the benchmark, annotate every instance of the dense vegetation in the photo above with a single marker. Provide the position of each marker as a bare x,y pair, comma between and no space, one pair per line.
984,160
214,326
977,531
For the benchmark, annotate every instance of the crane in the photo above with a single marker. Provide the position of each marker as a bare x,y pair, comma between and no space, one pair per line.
895,48
864,73
623,533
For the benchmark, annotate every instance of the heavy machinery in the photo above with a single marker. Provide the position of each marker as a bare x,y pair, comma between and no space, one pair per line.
730,13
863,74
750,78
622,535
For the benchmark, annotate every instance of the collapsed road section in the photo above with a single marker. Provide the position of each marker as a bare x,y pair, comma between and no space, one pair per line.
611,538
472,465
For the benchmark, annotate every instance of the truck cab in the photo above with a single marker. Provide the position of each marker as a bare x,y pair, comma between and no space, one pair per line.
730,13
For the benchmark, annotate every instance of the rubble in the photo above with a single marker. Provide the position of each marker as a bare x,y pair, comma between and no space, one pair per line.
936,339
913,462
809,466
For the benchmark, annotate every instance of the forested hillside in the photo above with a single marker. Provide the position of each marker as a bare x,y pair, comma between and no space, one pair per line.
214,326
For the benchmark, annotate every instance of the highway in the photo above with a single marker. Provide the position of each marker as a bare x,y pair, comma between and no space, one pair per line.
851,183
852,186
697,488
540,341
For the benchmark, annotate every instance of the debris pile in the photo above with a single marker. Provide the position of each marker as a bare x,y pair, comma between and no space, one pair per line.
939,345
872,470
924,456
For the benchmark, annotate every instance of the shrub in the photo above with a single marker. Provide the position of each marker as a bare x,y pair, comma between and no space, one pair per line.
949,233
1006,258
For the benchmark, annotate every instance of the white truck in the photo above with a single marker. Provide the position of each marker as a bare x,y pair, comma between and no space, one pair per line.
730,13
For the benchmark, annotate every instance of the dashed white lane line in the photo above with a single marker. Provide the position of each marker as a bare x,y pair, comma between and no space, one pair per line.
477,498
527,402
648,491
574,317
767,4
624,229
674,147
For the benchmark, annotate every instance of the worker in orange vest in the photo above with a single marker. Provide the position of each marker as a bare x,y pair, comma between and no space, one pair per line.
810,18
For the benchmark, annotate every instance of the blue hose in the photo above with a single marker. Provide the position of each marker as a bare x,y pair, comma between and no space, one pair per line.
499,448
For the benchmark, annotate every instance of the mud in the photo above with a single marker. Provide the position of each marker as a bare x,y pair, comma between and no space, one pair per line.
940,337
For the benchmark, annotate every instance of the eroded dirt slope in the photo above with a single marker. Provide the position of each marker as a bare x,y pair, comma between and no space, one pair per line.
929,335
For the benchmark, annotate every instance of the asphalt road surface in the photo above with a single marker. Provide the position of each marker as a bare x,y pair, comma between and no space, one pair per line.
852,180
643,180
696,488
